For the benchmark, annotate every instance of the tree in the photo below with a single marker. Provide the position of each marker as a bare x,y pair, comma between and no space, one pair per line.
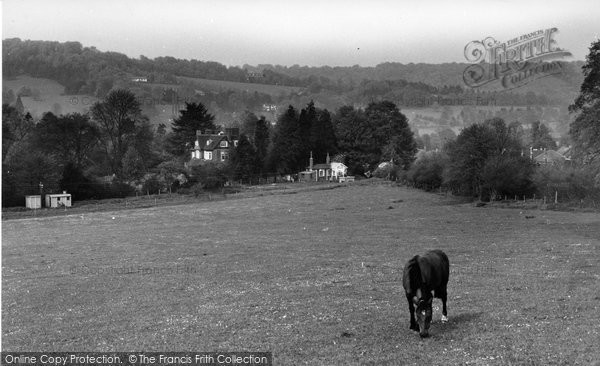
589,93
169,171
540,137
78,184
392,133
16,127
427,170
191,119
19,105
285,156
322,136
467,156
248,125
70,138
306,121
261,141
486,160
117,118
243,161
353,132
133,165
585,129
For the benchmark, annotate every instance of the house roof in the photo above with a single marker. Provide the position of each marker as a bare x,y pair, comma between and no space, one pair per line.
550,156
213,141
564,150
322,166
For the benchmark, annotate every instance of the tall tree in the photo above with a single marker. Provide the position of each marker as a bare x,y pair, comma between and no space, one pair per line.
261,141
243,162
322,136
117,117
585,129
16,127
71,138
393,133
194,117
589,93
248,125
306,121
284,156
353,132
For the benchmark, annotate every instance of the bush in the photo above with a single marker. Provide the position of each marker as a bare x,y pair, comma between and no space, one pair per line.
197,189
383,170
427,171
574,183
507,176
210,175
151,185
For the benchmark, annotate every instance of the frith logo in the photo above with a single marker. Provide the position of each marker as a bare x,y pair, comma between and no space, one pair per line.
513,63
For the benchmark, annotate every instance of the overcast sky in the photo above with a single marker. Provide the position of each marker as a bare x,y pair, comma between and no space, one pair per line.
304,32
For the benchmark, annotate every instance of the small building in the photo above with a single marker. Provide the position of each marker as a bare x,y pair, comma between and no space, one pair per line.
58,200
33,202
330,171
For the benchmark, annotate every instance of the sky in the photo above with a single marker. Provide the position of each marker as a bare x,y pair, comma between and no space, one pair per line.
302,32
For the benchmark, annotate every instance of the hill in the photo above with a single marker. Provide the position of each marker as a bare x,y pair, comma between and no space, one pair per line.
70,77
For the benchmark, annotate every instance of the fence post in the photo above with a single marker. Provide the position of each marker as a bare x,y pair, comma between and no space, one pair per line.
555,197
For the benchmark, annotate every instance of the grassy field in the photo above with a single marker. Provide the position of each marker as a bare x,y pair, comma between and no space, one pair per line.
50,94
208,85
313,276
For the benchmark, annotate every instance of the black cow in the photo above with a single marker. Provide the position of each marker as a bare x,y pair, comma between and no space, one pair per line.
423,274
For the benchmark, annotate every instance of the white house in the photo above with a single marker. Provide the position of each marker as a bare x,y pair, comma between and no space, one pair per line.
330,171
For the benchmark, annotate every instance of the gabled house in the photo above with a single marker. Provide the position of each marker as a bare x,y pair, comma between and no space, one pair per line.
214,146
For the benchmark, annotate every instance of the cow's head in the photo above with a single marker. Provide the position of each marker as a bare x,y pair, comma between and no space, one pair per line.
423,311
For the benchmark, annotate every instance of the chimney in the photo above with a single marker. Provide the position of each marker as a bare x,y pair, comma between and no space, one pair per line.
310,163
327,161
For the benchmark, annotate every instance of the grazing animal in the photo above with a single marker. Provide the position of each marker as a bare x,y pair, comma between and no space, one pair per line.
423,274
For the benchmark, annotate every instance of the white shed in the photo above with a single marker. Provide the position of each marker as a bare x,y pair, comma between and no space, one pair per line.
33,202
58,200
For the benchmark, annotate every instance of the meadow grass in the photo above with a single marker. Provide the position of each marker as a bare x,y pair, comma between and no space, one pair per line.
314,277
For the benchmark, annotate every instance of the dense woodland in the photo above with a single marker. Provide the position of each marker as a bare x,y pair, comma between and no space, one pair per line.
113,150
86,70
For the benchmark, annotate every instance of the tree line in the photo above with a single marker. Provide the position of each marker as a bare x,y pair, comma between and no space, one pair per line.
87,70
113,150
490,160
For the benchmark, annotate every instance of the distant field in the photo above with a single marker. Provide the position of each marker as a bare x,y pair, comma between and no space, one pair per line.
219,85
312,276
51,94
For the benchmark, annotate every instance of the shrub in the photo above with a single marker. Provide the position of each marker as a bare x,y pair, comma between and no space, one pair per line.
210,175
151,184
427,171
570,182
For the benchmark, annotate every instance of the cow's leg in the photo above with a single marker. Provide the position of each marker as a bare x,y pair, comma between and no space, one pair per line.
444,297
411,309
